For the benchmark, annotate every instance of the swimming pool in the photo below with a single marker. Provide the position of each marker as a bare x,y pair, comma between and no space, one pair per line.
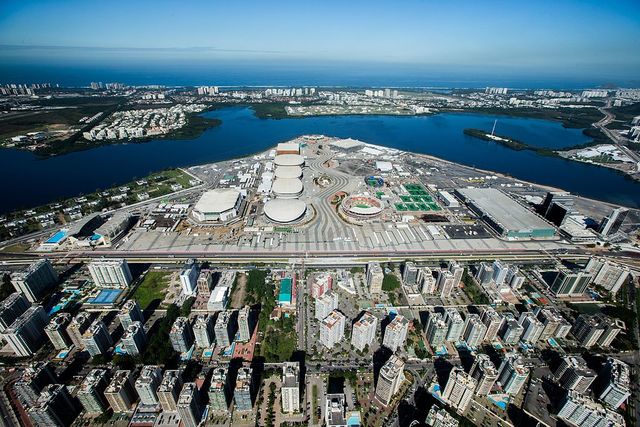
106,296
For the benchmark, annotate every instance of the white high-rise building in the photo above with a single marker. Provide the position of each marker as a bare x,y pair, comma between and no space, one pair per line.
395,334
474,330
189,408
532,327
364,331
500,271
428,283
78,327
97,338
245,324
56,330
332,329
608,274
459,390
511,331
493,321
436,330
91,393
445,283
290,387
189,278
120,393
181,335
512,373
457,270
11,308
455,324
134,339
110,273
375,276
390,379
326,304
34,282
26,334
203,331
616,390
579,410
410,274
130,313
147,384
485,373
573,374
169,390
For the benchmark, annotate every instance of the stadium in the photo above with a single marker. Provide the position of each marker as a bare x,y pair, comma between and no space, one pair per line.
217,205
283,211
287,188
288,160
361,207
288,172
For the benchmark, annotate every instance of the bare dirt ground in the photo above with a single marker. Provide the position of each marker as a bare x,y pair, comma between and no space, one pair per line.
238,296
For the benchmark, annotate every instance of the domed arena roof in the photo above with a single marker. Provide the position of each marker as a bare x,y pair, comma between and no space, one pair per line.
284,211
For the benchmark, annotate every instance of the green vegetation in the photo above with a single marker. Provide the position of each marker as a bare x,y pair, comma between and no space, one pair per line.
390,282
6,288
185,309
280,339
472,290
152,289
314,403
271,110
196,125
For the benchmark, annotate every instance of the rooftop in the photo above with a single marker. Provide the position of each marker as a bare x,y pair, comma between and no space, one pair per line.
217,200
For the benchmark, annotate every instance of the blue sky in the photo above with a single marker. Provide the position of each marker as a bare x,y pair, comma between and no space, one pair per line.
591,38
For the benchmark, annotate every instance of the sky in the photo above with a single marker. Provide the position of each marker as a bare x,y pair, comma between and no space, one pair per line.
595,39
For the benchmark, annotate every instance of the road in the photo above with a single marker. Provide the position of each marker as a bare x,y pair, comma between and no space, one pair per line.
614,136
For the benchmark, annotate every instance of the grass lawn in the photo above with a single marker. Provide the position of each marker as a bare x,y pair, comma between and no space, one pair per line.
152,288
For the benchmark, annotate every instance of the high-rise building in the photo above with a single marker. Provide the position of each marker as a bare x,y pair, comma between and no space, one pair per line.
169,390
11,308
395,334
78,327
26,335
511,331
514,279
459,390
427,282
246,324
375,276
335,410
608,274
457,270
290,387
189,278
54,407
436,330
203,331
612,223
439,417
445,283
570,283
579,410
189,407
120,392
33,379
512,373
455,324
219,390
243,393
110,273
36,281
225,328
485,373
364,331
322,282
91,393
134,339
410,273
573,374
616,389
181,335
484,275
130,313
147,384
500,271
390,379
552,322
474,330
205,283
57,332
532,327
326,304
596,329
493,321
332,329
97,340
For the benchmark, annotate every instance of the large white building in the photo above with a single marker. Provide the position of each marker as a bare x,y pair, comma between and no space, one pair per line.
375,276
326,304
616,390
390,379
147,384
459,390
110,273
533,328
36,280
512,373
290,387
455,324
364,331
189,278
485,373
474,330
395,334
493,321
217,205
332,329
26,334
607,274
436,330
579,410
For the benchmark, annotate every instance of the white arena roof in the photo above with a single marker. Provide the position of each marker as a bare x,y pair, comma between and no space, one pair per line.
288,160
347,144
284,211
288,172
218,200
287,187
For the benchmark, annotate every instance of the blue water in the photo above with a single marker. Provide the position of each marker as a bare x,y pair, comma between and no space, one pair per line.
26,180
